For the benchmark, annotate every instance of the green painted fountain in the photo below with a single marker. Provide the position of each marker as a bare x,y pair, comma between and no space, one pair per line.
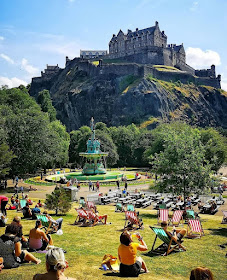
94,168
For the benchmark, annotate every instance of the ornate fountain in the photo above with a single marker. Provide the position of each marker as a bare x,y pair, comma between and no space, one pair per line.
94,156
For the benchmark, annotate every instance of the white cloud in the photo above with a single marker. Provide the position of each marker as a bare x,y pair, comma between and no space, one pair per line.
7,58
1,38
194,6
13,82
198,58
224,85
31,70
69,49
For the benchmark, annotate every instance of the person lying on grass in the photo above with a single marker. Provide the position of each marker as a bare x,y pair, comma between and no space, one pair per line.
131,265
55,266
178,234
38,239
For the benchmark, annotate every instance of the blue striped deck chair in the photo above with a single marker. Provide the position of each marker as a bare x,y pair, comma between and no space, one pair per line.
169,243
46,224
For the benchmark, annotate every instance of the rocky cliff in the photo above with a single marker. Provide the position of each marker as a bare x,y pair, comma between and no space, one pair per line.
120,99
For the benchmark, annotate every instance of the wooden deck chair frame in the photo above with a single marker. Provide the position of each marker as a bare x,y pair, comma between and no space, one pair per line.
194,229
163,216
177,218
46,224
82,218
132,219
93,218
224,219
167,239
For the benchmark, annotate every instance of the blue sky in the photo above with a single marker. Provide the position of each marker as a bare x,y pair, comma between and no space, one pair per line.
34,33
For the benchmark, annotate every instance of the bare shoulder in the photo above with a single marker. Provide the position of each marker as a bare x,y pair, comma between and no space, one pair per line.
40,276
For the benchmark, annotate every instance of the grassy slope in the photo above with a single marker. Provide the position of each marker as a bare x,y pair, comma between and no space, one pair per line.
86,247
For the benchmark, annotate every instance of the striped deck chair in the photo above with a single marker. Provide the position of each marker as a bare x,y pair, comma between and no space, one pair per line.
194,229
132,219
46,224
177,218
163,216
94,219
171,243
81,218
224,219
91,205
119,207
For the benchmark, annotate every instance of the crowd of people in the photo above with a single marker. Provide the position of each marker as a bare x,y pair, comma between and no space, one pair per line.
16,249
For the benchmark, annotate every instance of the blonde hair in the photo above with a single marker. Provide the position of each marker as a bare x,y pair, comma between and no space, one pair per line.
56,259
201,273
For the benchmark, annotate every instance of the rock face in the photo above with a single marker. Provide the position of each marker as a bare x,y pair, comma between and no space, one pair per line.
117,100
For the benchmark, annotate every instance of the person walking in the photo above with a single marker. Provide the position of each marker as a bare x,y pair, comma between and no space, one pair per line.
90,186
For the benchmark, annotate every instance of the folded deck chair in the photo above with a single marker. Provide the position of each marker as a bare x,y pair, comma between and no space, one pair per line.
224,220
132,219
194,229
177,218
119,207
46,224
169,243
163,215
82,217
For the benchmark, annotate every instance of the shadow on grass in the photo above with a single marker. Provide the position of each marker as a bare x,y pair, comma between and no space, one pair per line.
158,253
116,274
218,231
147,215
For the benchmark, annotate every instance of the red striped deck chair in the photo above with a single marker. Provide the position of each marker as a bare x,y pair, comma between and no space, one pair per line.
171,243
94,219
177,218
224,219
194,229
131,219
82,217
163,215
91,205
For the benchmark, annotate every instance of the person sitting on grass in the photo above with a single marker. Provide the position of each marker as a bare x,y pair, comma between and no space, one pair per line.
177,234
55,266
27,213
16,222
56,224
201,273
38,239
131,265
11,249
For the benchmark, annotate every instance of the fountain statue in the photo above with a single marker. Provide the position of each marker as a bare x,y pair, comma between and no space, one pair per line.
93,155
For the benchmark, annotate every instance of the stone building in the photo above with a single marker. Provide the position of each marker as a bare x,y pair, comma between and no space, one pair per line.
148,46
50,71
92,54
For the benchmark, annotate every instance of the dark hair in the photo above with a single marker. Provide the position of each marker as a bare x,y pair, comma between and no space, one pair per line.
125,238
12,228
27,204
201,273
37,223
163,224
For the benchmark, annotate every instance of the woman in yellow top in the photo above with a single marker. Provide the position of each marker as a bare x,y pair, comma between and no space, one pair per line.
131,264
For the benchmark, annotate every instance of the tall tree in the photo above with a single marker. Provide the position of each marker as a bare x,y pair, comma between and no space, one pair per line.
181,161
46,104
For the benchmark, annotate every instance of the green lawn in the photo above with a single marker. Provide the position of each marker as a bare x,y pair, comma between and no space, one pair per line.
87,245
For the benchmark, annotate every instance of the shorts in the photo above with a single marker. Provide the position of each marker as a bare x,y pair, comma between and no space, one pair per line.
130,270
21,259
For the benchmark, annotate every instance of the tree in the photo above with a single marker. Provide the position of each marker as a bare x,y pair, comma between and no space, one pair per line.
181,161
58,201
46,104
